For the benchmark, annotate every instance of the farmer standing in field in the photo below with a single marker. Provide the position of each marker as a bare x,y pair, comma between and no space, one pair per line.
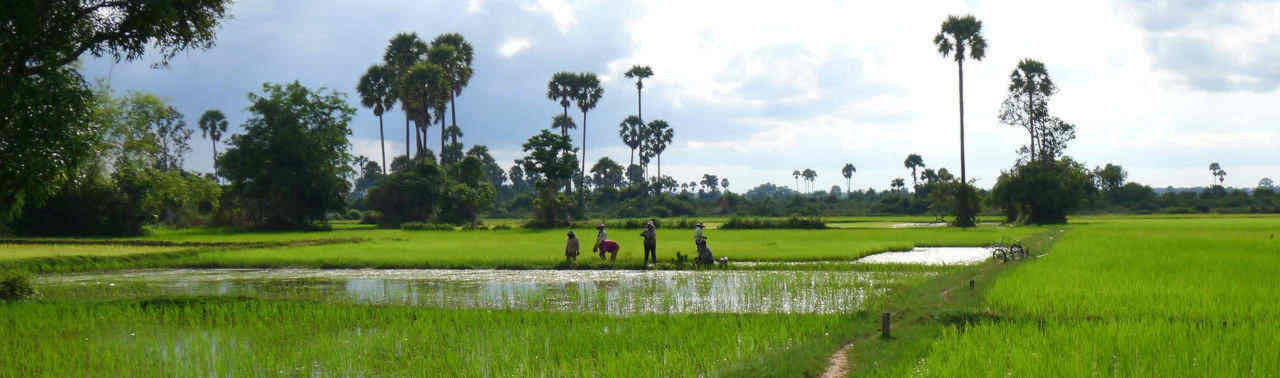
704,253
650,242
571,248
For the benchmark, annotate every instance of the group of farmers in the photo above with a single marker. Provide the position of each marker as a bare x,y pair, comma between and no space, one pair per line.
604,246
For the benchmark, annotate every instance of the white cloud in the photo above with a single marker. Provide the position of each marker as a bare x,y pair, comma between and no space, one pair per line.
514,46
475,6
559,10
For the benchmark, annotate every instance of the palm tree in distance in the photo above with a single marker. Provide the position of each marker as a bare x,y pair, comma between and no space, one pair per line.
961,35
563,87
212,125
1030,78
913,161
630,130
848,171
564,123
660,135
426,88
1214,167
796,175
376,93
457,68
809,175
639,73
403,51
588,94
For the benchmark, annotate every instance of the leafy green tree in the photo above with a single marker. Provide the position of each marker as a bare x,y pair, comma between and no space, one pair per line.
378,93
631,130
659,135
1266,183
1110,178
607,173
412,193
212,125
587,95
848,172
291,164
549,156
913,162
403,52
639,73
516,175
493,172
563,87
961,35
1043,191
42,37
635,174
469,192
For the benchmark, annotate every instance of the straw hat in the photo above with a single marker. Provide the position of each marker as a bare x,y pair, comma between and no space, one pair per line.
601,225
699,225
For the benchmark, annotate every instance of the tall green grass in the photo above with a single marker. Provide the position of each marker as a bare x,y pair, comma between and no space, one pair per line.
1128,296
204,337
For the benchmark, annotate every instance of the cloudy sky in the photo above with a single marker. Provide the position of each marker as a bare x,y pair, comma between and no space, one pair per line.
757,90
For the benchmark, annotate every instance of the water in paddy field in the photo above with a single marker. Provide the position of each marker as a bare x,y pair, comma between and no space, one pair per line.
601,291
931,256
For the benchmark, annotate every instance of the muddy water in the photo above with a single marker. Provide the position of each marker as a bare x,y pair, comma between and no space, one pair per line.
613,292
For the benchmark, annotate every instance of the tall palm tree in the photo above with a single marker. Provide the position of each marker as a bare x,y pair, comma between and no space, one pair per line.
1214,168
660,135
639,73
913,161
961,35
796,175
445,56
457,68
402,53
376,92
848,171
809,175
212,125
563,87
562,122
588,94
426,86
631,131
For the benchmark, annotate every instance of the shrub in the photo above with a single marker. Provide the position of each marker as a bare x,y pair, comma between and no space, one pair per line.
85,209
1043,192
15,286
500,227
794,222
371,217
353,215
423,226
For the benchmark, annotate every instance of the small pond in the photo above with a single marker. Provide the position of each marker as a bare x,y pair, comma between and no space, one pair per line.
602,291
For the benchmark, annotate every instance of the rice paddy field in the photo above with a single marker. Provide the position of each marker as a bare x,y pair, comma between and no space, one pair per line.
1102,296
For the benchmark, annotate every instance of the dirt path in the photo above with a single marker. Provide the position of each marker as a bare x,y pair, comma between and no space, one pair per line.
838,365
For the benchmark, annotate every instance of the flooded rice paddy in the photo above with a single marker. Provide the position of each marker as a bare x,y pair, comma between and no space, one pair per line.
618,292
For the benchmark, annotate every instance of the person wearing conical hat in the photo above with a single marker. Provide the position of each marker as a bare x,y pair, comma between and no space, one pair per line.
650,235
571,248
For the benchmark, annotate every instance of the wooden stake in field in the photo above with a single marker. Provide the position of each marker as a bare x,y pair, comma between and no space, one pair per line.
884,325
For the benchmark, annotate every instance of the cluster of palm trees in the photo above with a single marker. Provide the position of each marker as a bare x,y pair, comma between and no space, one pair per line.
582,89
809,175
650,139
424,79
1218,173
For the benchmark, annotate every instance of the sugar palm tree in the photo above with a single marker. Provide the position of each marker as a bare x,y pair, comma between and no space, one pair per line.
631,131
848,171
426,86
376,93
809,175
961,38
212,125
588,94
913,161
1214,167
660,135
1030,83
639,73
796,175
563,87
402,53
457,67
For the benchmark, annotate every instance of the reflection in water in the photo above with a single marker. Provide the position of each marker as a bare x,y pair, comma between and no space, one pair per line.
603,291
932,256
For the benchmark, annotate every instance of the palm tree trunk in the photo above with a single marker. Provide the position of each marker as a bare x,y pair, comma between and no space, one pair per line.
215,158
659,165
639,107
407,142
442,129
453,111
383,142
960,64
584,150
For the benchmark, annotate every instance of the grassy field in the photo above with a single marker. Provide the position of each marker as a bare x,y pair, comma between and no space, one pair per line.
10,252
1159,296
531,249
203,337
